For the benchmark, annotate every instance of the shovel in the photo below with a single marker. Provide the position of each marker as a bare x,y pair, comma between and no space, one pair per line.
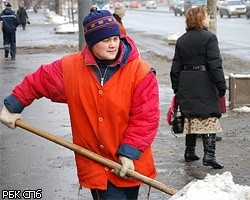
97,158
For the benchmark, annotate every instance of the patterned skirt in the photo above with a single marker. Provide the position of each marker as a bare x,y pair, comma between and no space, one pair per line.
202,126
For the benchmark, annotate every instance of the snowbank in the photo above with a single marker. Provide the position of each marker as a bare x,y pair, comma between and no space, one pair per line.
242,109
216,187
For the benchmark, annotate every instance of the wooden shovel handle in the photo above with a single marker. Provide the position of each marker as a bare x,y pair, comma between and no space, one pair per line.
96,157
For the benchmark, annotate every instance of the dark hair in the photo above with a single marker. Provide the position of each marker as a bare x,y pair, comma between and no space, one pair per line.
195,17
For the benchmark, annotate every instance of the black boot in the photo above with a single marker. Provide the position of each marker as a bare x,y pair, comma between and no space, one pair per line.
209,151
190,148
6,54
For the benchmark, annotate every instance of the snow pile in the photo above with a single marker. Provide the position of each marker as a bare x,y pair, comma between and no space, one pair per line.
239,75
216,187
54,18
242,109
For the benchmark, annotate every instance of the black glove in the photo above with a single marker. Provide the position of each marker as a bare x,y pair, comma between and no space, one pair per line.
222,93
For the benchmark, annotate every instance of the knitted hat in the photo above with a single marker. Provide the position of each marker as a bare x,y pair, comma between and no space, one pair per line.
8,5
99,25
119,9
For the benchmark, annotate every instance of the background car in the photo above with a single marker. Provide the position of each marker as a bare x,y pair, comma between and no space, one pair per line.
126,4
232,7
248,12
143,3
151,4
179,8
134,4
193,3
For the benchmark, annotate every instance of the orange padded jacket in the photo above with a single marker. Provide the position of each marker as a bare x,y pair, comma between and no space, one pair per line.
99,118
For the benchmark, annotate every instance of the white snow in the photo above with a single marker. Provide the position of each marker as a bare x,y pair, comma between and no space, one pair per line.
240,75
215,187
173,36
65,26
54,18
242,109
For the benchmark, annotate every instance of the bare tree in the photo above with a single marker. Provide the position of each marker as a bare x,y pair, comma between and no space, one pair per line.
211,5
57,7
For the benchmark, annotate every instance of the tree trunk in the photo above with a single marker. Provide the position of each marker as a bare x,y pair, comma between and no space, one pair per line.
212,11
57,7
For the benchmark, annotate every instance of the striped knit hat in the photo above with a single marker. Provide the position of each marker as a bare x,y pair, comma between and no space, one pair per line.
99,25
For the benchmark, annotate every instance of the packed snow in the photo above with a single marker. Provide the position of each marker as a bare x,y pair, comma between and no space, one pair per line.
242,109
215,187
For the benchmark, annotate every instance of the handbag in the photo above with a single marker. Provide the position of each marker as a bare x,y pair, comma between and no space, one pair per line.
174,117
178,122
222,102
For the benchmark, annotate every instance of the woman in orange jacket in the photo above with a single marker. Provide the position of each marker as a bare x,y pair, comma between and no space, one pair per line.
113,101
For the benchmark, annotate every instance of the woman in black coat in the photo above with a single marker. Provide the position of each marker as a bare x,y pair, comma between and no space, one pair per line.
198,80
23,16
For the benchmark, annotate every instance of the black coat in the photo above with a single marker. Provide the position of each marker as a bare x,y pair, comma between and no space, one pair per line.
197,91
23,16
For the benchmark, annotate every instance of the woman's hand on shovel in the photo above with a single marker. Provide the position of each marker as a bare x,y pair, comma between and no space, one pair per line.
126,164
9,119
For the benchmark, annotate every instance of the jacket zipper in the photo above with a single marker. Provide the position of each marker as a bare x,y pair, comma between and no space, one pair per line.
102,77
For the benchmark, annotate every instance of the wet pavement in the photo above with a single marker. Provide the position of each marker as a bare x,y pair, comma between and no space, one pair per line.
29,162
